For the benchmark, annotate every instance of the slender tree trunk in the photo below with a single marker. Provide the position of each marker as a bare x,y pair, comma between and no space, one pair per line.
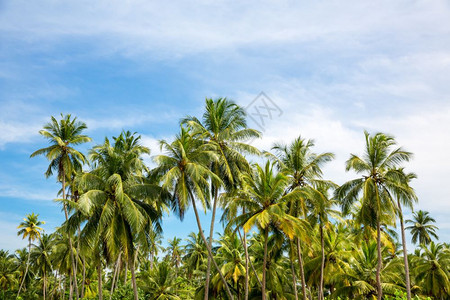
246,263
84,277
302,271
227,289
211,233
405,252
26,267
294,278
249,260
266,239
380,262
116,270
322,265
118,273
70,287
84,261
45,287
100,287
133,279
72,257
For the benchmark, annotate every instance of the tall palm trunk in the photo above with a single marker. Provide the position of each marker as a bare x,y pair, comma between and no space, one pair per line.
26,267
246,264
379,264
45,286
244,242
227,289
302,270
323,262
72,257
294,278
84,277
133,277
266,239
100,287
211,233
405,252
70,286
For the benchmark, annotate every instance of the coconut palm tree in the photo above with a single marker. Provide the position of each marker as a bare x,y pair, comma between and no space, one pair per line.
184,171
175,252
64,159
224,127
195,253
8,272
378,185
422,229
29,227
303,167
117,202
264,199
41,257
161,284
408,199
320,208
432,270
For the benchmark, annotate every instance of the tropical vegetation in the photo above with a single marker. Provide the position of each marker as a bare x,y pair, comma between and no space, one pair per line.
288,232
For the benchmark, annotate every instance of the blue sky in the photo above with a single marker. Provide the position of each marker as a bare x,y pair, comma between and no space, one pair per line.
333,68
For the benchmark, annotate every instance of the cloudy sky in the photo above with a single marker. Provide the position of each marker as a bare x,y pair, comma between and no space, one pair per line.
332,68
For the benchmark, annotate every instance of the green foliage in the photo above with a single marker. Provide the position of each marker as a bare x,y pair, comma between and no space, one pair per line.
282,220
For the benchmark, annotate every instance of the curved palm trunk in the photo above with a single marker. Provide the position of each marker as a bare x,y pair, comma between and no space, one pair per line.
405,252
379,264
211,233
116,270
294,278
227,289
302,271
100,287
266,239
26,268
72,256
322,264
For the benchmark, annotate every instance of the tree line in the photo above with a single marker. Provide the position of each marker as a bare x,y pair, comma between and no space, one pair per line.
289,233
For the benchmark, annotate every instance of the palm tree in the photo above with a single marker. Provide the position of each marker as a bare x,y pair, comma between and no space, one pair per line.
29,227
184,171
224,127
41,257
8,272
432,270
117,202
175,252
195,253
264,200
421,229
161,284
63,158
230,257
408,199
304,169
320,209
378,185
